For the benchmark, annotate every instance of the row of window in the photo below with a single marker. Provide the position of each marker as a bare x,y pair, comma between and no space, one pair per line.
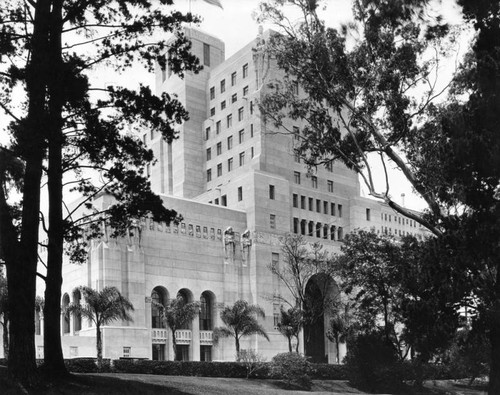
222,83
397,232
229,123
314,181
311,204
230,164
229,145
319,230
400,220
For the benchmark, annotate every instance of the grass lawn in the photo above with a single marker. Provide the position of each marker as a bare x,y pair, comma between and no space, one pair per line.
143,384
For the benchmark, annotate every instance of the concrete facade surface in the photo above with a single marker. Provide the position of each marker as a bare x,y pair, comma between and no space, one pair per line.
240,189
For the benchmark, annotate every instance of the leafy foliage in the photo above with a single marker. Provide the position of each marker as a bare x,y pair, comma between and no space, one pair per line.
293,369
178,314
240,320
102,308
290,324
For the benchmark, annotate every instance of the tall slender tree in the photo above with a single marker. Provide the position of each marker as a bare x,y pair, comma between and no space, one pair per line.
102,308
48,50
178,314
240,320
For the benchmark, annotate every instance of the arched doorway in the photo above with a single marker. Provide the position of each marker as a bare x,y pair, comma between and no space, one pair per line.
320,293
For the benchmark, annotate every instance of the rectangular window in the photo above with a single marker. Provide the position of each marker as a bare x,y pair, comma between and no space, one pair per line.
303,202
207,133
295,200
209,175
271,192
229,164
368,214
212,93
242,158
217,127
241,135
272,221
295,225
311,204
245,91
230,142
219,148
340,210
233,79
152,135
330,185
325,207
223,200
126,352
251,152
296,157
251,130
240,194
206,55
223,105
296,177
318,206
329,167
332,208
219,169
245,70
251,107
222,86
240,114
229,120
209,153
144,137
295,87
212,111
314,181
234,98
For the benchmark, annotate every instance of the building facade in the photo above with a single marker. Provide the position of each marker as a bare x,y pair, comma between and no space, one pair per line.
239,187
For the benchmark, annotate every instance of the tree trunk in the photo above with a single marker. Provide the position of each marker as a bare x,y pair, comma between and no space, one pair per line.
22,264
337,345
174,345
54,360
98,344
237,343
298,343
289,343
5,325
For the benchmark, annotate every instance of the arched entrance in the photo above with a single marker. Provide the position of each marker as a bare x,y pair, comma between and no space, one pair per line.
320,293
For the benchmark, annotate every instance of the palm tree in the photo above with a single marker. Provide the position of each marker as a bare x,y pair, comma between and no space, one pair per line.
290,324
102,307
178,314
339,327
240,320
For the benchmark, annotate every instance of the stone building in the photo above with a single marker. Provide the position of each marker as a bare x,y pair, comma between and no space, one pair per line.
239,188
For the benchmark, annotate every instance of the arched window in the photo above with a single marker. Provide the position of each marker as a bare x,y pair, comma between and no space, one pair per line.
332,232
157,300
77,318
340,233
206,302
65,317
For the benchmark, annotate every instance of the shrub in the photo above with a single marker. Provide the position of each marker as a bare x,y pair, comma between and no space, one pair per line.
293,369
253,361
87,365
373,365
324,371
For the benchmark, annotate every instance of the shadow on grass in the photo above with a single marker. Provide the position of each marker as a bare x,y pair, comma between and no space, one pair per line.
88,385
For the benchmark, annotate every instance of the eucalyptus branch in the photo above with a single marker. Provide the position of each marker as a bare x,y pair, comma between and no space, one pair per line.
89,197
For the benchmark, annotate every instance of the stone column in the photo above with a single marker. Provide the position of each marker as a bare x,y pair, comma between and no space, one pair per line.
194,352
148,324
